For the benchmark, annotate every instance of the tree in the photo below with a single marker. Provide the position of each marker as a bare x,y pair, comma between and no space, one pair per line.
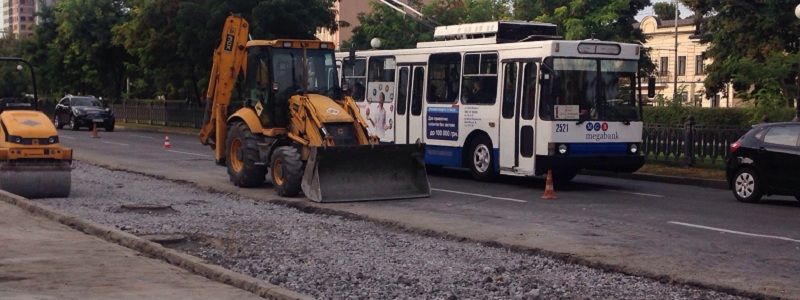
399,31
665,10
172,41
753,44
92,63
580,19
610,20
45,59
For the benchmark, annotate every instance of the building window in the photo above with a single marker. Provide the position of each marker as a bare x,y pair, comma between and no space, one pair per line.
663,68
681,65
699,68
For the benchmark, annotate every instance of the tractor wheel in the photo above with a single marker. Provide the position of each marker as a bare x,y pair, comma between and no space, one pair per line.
242,157
287,171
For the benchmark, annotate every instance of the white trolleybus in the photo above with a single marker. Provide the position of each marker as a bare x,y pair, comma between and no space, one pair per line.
505,98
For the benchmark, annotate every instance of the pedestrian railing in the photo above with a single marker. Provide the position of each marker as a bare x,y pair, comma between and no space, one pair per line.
686,144
175,114
689,143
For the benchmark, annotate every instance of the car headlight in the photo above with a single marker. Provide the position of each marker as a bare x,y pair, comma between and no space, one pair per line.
562,149
78,112
634,148
52,140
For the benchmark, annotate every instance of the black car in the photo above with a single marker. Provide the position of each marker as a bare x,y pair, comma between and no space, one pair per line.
766,161
83,111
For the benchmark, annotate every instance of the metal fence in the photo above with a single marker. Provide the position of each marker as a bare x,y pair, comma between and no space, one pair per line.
689,143
176,114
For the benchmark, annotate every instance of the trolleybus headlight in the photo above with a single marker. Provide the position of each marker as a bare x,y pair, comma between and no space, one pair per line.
562,149
634,148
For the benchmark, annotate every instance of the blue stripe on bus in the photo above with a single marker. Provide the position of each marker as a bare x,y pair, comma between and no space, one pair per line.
598,149
452,156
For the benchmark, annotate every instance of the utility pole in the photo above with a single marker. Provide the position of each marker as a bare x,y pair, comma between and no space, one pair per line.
675,76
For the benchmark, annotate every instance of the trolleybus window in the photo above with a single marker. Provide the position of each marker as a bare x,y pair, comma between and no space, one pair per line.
529,77
402,91
380,79
509,90
444,76
356,79
599,89
416,91
480,79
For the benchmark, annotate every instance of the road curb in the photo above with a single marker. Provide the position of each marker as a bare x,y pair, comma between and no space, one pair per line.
700,182
187,262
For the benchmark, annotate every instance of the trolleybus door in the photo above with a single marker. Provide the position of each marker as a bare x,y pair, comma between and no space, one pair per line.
517,117
509,140
402,109
526,129
415,109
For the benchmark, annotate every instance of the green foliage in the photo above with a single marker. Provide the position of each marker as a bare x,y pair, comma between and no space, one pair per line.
753,44
45,57
92,64
398,31
581,19
723,117
395,30
665,10
172,41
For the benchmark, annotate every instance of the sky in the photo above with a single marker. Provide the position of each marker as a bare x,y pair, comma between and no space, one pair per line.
685,12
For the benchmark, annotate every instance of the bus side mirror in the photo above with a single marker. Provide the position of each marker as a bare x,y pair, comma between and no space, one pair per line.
651,87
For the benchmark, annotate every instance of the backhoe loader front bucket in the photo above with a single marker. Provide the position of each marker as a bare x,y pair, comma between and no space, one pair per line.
363,173
38,179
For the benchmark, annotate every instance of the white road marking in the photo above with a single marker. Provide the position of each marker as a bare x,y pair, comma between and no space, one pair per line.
782,238
480,195
635,193
67,137
118,144
143,136
188,153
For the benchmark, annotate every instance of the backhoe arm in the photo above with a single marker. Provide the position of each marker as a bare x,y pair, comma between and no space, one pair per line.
229,61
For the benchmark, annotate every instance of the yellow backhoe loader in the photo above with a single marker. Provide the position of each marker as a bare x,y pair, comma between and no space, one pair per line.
291,119
32,163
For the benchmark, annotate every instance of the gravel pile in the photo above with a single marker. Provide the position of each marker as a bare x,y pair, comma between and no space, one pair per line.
331,257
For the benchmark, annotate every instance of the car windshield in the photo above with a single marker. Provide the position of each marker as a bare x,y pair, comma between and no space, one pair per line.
85,102
590,90
322,74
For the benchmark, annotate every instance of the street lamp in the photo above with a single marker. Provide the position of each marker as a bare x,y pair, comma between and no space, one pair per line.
797,103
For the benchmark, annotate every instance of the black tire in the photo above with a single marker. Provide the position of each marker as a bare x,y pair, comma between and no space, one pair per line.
244,169
747,186
58,123
73,125
481,158
561,176
287,171
110,128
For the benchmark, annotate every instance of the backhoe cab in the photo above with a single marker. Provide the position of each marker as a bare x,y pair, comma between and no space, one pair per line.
289,116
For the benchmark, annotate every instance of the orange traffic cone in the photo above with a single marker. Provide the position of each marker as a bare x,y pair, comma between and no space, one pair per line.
94,131
549,192
167,145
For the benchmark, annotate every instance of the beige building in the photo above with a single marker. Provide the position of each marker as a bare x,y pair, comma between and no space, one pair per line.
691,63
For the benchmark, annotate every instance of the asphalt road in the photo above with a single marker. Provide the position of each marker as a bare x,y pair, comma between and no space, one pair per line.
680,232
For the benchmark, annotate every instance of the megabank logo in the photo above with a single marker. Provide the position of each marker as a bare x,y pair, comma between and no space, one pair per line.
596,126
